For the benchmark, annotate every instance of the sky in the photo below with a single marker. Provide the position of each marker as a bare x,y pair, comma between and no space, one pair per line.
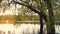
10,10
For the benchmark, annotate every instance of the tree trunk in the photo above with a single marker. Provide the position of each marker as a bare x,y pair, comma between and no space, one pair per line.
41,24
50,25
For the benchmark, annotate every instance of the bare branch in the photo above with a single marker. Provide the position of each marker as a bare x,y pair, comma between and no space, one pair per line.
25,2
30,7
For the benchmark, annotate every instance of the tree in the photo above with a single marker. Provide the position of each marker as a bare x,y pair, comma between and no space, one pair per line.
51,27
38,7
0,1
39,11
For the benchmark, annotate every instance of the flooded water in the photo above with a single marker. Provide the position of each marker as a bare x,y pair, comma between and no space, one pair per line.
22,29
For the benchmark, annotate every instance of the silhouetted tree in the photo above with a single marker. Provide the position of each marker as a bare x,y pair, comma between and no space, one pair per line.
51,27
38,11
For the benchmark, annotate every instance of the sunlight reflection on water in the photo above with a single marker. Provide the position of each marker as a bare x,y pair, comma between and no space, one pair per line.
19,29
23,28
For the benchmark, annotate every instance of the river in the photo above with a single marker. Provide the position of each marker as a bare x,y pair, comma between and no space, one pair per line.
23,29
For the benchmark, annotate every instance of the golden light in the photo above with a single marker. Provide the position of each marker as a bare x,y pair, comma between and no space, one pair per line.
7,21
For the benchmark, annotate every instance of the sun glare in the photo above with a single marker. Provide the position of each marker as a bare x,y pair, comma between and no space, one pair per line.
7,21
